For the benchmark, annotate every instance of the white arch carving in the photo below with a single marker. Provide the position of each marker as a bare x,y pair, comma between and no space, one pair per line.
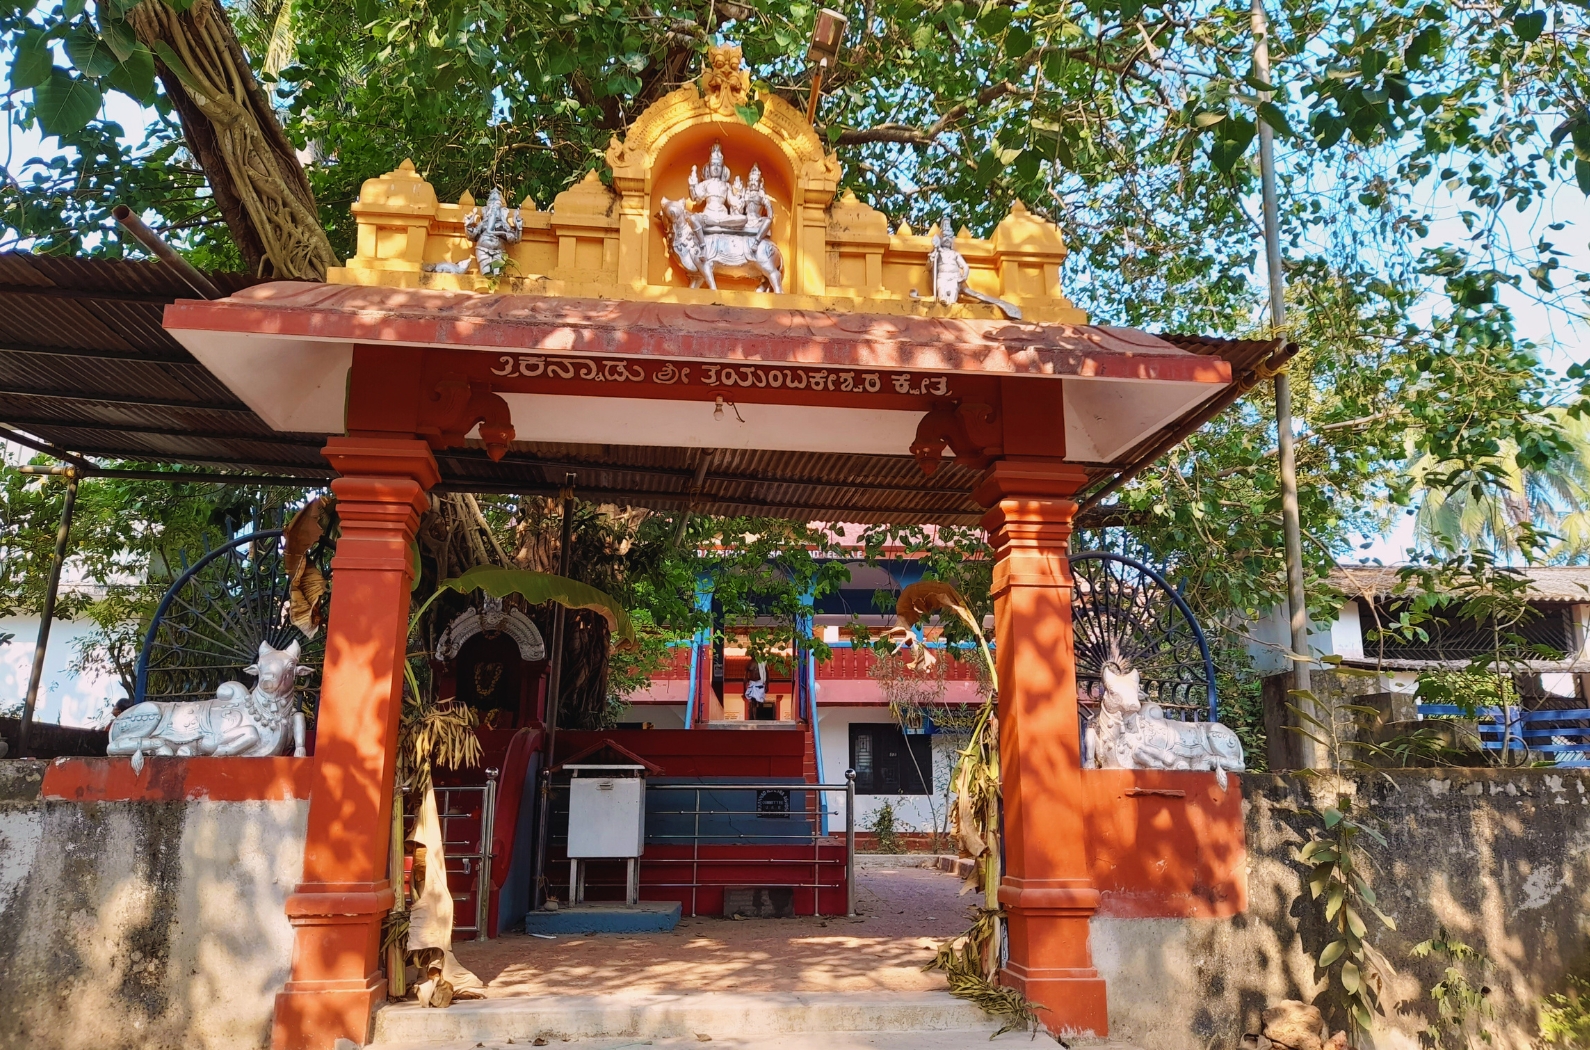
493,617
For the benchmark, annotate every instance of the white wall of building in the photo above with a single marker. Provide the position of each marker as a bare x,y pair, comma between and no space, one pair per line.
911,812
68,695
1270,638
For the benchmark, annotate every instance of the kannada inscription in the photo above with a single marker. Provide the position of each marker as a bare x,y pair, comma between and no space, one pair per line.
759,377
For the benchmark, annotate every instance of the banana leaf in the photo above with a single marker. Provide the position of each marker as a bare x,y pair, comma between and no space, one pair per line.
537,588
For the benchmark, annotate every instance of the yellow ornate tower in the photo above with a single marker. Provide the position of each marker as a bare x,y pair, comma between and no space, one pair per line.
612,241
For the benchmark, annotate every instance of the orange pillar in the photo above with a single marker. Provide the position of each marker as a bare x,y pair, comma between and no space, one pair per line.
336,910
1047,889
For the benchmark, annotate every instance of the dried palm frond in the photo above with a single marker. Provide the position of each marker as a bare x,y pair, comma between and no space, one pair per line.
974,965
961,959
433,733
306,584
924,597
394,930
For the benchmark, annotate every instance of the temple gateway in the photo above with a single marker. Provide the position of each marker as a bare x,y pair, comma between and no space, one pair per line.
711,297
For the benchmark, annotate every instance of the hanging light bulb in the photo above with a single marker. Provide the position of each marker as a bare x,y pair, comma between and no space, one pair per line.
717,410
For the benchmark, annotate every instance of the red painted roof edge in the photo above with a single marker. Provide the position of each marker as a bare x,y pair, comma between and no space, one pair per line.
543,324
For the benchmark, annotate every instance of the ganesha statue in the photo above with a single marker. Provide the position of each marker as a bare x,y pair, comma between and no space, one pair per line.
728,230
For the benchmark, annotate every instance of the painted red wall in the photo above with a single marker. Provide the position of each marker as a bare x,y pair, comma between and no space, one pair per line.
1165,844
702,752
178,779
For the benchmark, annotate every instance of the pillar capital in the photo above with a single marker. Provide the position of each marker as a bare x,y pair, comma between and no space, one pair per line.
382,457
1027,480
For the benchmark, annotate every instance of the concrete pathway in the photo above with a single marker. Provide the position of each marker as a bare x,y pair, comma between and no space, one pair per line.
755,984
966,1039
906,912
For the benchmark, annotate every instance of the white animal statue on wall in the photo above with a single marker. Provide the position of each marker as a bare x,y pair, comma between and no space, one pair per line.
239,721
1129,734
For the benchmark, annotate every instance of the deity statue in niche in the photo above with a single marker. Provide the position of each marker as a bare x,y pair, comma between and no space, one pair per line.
730,232
492,658
723,206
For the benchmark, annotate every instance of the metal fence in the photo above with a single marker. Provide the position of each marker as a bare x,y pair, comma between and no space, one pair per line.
693,840
468,818
1563,734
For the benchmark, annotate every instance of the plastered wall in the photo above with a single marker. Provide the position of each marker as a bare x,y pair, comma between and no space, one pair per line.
145,924
1501,857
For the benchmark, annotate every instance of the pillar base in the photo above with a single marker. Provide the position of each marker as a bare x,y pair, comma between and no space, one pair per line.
1069,1002
313,1015
334,989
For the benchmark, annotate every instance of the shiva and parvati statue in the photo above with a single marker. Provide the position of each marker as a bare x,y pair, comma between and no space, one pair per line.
1131,734
493,230
731,231
237,721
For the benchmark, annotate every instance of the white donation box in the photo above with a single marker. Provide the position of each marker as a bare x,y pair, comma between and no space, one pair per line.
607,821
607,816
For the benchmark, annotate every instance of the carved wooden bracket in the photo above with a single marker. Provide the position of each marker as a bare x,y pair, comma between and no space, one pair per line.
453,409
971,431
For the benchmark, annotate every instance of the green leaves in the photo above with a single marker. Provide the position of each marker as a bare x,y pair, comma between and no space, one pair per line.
538,588
1271,114
1229,140
1528,25
65,104
91,55
31,66
135,76
1423,44
752,111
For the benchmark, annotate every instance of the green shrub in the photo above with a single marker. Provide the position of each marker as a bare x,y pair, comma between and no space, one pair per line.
882,827
1565,1017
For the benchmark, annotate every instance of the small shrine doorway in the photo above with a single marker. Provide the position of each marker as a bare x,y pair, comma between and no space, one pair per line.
493,659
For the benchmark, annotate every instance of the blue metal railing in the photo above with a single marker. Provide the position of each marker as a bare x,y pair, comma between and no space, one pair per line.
1547,731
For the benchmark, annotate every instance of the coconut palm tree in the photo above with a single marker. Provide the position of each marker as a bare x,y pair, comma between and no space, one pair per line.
1489,514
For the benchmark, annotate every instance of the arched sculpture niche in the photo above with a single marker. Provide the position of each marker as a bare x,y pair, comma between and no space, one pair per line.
493,659
492,617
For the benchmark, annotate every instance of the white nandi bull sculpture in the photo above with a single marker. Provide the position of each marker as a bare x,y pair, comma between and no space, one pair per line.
239,721
1129,734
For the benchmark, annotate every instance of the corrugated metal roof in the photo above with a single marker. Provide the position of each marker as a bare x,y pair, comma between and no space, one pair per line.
86,367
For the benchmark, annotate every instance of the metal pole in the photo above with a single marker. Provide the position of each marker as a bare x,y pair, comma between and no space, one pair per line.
555,668
538,895
488,830
554,684
1291,522
51,590
850,843
166,254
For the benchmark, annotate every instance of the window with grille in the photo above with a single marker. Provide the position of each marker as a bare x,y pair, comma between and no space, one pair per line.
887,762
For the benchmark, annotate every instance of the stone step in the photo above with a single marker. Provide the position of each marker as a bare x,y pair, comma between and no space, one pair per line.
678,1015
950,1039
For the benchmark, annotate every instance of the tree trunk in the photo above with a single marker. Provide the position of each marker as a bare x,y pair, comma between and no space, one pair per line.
229,125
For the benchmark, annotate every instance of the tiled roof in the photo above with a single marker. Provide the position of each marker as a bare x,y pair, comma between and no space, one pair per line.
1547,583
